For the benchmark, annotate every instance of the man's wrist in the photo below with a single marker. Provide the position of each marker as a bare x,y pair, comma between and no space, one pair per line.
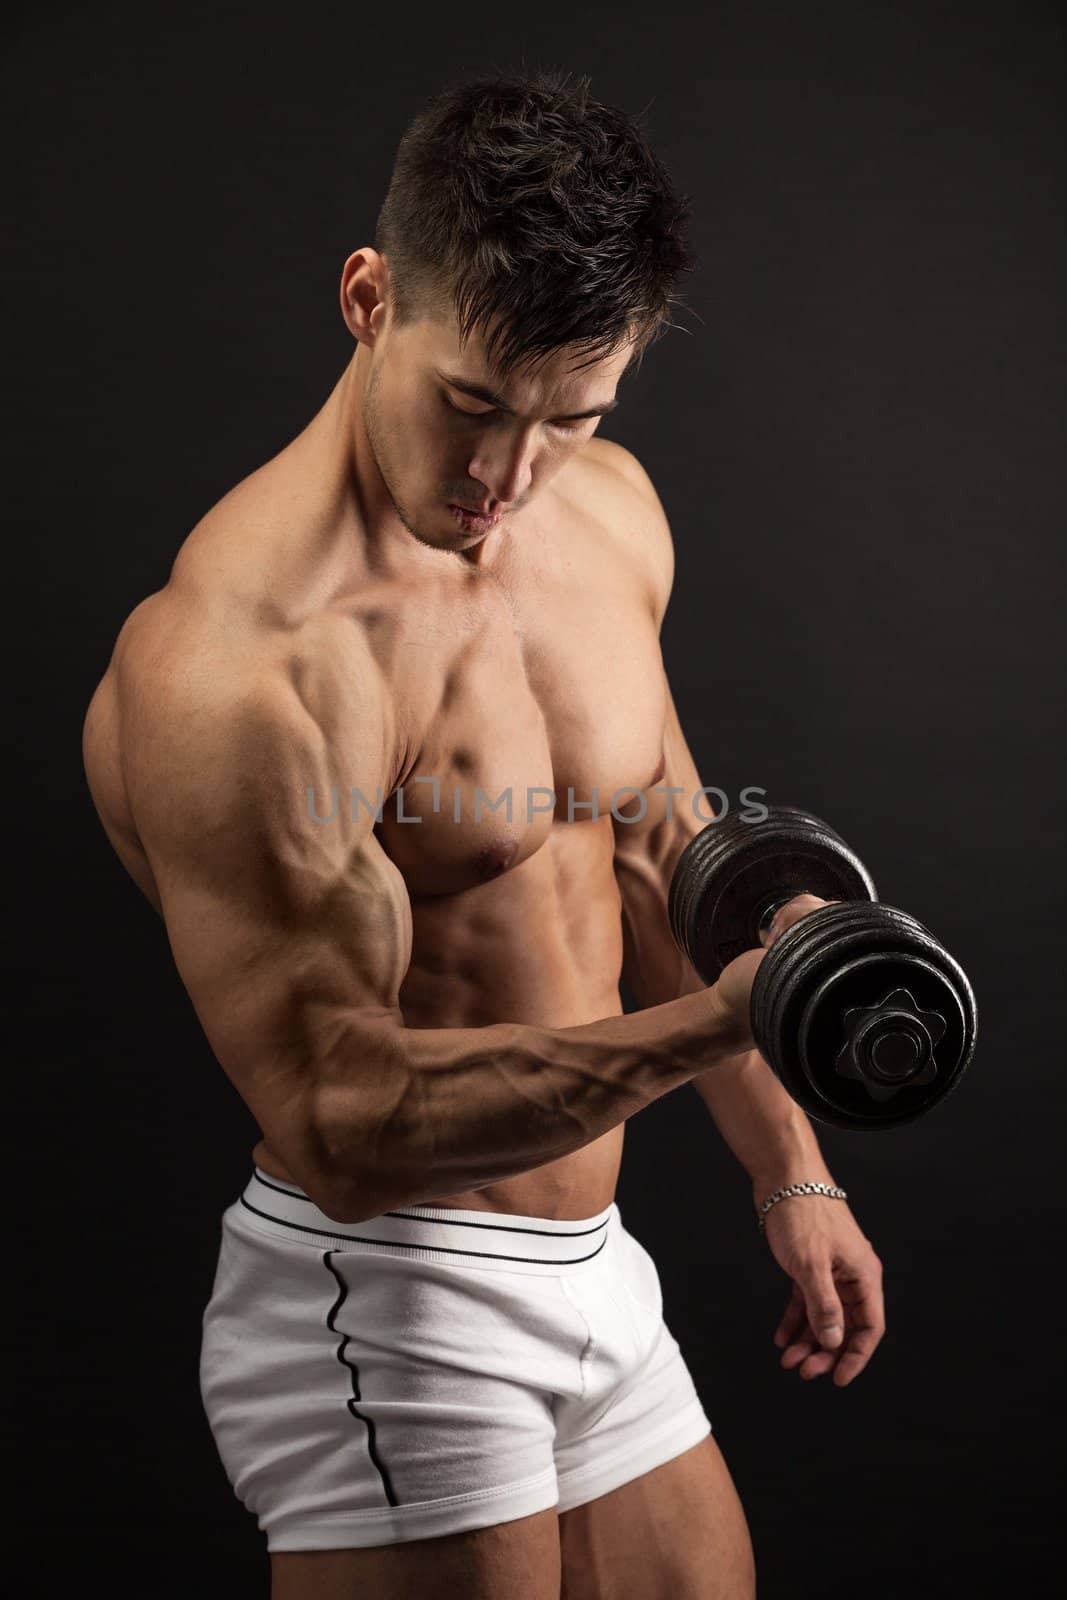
794,1191
796,1158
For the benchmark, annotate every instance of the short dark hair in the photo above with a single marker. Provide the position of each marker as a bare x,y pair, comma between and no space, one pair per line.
536,215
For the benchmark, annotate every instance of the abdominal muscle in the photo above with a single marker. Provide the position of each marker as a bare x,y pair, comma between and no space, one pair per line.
541,946
575,1187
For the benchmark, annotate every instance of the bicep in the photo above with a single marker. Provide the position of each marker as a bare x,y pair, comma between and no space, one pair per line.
286,919
676,806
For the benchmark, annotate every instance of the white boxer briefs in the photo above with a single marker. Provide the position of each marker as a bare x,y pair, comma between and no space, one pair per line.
432,1369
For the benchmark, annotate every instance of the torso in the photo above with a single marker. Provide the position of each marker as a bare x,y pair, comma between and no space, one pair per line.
541,675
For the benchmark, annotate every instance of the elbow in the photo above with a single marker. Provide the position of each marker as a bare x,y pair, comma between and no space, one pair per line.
349,1188
348,1204
357,1148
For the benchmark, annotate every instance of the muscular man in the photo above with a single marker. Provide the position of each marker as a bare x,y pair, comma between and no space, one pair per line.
360,753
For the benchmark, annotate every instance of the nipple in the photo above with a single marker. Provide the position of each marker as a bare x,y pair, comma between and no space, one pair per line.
496,856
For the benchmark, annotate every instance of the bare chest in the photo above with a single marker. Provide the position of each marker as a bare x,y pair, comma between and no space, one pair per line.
531,705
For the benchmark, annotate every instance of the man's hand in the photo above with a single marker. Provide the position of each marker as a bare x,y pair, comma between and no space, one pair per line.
791,911
836,1316
733,986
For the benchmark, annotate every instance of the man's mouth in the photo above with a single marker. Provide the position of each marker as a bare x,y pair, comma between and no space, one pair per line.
475,521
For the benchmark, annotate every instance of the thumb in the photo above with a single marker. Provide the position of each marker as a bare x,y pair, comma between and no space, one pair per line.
824,1310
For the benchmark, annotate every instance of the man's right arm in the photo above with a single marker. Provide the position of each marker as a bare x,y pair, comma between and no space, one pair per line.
292,937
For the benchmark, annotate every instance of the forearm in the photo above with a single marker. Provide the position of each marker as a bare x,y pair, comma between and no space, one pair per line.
409,1115
767,1131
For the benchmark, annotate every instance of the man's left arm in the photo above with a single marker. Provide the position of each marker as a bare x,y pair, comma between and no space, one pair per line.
835,1317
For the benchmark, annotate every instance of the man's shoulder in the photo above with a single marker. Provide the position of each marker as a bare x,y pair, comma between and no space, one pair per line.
186,655
200,716
623,497
177,637
609,455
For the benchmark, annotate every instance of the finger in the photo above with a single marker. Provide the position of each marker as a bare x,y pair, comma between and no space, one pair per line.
792,1321
815,1359
826,1316
817,1364
860,1347
812,1356
803,1345
790,912
821,1361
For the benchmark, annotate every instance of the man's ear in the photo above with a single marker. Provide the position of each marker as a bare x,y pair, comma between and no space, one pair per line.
365,294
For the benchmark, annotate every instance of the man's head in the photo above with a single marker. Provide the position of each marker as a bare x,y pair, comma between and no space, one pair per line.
526,255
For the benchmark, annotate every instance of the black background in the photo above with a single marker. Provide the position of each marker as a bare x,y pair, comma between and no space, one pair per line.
857,433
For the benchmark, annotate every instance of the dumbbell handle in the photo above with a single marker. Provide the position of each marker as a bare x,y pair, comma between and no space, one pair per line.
767,916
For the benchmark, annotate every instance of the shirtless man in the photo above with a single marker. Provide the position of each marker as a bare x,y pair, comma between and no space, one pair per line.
434,1360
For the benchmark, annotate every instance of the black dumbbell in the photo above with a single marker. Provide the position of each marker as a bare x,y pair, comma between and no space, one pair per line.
863,1015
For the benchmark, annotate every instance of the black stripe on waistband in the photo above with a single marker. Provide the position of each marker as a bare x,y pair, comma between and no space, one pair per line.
279,1188
452,1222
401,1244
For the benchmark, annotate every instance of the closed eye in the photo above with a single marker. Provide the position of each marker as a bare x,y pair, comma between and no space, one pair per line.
562,427
451,404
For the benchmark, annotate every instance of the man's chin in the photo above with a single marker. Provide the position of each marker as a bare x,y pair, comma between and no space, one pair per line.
430,541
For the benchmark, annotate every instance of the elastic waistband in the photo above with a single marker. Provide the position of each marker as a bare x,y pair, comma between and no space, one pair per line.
480,1238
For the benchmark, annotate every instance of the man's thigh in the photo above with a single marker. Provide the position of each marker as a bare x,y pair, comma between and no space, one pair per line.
518,1560
675,1533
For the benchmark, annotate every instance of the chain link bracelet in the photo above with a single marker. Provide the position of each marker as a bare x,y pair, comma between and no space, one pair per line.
798,1188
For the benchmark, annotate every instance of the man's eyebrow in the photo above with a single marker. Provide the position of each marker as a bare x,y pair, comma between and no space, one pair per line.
479,391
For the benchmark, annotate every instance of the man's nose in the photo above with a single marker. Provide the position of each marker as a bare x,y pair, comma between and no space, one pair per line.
505,466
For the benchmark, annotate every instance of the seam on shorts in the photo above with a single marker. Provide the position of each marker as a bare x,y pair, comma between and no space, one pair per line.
353,1372
591,1343
634,1381
384,1513
647,1441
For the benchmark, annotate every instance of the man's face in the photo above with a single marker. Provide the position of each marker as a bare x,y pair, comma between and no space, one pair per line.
448,431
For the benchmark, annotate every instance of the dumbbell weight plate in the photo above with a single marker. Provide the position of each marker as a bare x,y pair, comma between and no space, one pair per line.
731,873
863,973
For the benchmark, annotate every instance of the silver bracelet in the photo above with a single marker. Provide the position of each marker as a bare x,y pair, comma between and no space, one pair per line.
798,1188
